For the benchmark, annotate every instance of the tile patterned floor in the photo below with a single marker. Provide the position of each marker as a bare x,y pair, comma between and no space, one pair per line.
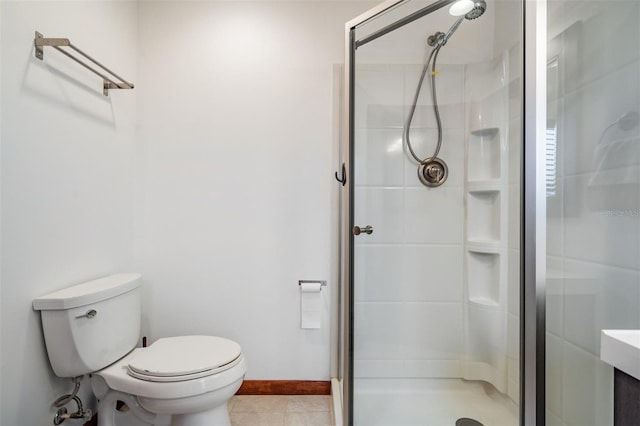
281,410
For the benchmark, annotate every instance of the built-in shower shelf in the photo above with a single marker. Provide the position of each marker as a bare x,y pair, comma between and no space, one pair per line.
484,246
483,215
483,277
484,155
484,302
486,185
490,132
486,260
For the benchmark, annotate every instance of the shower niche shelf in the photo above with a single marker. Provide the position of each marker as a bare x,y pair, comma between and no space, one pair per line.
484,185
486,224
489,132
484,276
488,247
481,302
483,215
484,155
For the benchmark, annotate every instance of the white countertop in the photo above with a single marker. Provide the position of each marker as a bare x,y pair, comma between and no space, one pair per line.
621,349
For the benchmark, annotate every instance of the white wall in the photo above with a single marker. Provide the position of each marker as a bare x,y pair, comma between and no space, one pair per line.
236,174
67,179
233,177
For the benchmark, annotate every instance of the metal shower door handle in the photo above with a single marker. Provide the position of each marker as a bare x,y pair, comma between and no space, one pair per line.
367,230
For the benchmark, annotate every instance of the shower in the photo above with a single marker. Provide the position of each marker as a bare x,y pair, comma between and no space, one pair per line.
433,171
447,341
473,302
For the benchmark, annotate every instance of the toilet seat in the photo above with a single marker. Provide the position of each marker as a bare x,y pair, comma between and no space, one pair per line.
175,359
116,377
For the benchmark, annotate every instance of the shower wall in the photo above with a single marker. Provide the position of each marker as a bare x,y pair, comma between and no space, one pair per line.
437,283
514,209
593,193
409,299
492,221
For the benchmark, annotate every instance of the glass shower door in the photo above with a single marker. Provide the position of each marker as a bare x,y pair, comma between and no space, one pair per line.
593,202
434,300
408,275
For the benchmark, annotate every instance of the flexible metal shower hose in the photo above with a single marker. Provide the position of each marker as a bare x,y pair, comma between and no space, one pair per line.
433,55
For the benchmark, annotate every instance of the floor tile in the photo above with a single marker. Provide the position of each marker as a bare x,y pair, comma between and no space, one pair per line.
259,403
308,418
230,404
280,410
309,403
257,419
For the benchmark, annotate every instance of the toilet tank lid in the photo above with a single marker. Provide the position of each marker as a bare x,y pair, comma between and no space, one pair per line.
88,292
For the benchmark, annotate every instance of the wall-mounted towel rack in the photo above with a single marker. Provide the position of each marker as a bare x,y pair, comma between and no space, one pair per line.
108,83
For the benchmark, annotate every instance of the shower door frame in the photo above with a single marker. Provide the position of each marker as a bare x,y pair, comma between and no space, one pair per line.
533,203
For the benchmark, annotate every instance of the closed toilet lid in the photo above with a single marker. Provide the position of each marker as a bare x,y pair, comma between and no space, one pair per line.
184,358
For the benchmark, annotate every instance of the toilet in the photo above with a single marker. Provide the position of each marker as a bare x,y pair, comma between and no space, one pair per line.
94,327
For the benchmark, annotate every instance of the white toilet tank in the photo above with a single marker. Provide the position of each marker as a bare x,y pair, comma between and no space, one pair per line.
91,325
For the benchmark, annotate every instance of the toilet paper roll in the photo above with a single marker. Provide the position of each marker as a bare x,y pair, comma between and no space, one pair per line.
310,305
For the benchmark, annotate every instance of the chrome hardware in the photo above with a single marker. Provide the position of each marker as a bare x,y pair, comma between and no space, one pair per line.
367,230
433,172
61,416
90,314
108,81
437,38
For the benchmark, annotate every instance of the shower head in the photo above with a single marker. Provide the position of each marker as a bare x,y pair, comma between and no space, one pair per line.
464,9
479,7
471,9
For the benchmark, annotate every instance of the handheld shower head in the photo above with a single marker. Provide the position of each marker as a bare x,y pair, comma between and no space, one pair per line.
470,9
479,7
464,9
433,171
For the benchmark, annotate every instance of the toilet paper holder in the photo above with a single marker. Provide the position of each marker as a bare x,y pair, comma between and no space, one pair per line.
323,283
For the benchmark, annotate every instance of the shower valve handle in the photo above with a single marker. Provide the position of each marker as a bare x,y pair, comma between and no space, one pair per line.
367,230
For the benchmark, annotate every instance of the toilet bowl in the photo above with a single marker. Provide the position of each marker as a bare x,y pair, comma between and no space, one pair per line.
93,328
190,378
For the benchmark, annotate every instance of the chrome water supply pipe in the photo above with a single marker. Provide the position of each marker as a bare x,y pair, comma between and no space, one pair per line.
62,414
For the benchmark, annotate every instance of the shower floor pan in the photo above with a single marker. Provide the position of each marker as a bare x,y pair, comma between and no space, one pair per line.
430,402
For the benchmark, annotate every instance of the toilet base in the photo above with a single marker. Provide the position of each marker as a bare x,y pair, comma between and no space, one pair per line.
134,414
163,409
218,416
209,409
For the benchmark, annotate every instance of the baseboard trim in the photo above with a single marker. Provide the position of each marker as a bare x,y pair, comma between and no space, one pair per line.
285,387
